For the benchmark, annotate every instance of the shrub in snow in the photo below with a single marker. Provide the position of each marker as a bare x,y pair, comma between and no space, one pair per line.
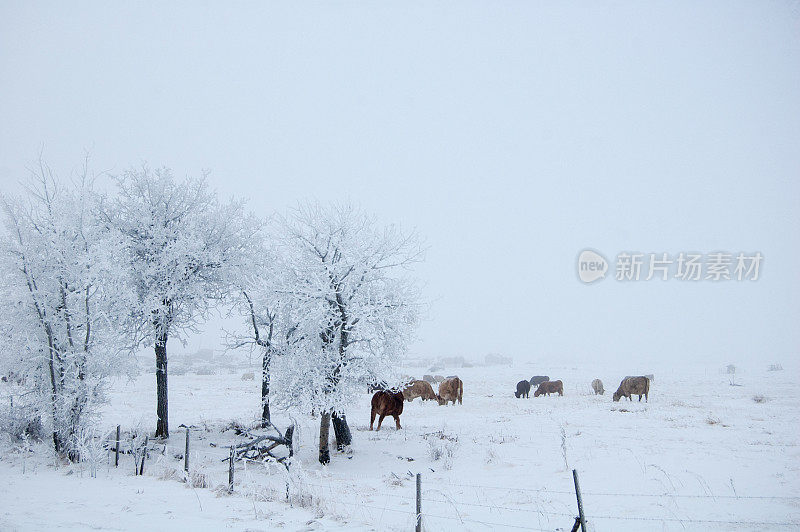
443,447
166,471
775,367
197,478
760,399
19,425
93,447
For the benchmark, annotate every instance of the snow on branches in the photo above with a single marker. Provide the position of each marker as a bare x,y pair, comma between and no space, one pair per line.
326,294
181,243
63,294
354,306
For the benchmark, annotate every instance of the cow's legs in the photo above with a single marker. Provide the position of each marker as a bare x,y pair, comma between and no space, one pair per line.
380,420
372,420
397,421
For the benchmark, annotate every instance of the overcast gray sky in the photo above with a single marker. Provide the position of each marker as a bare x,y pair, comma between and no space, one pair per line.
511,135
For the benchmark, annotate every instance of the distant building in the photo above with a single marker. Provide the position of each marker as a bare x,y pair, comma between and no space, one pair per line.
495,359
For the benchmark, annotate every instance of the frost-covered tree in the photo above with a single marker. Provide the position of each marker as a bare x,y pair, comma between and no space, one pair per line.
269,312
180,242
63,294
355,308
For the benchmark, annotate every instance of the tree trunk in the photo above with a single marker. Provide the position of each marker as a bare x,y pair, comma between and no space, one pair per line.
342,431
324,434
162,411
265,389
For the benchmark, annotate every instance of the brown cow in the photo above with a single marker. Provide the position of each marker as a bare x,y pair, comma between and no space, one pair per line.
451,389
633,386
419,389
549,387
386,404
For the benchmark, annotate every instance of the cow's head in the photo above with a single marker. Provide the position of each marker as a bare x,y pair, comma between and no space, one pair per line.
617,395
516,394
440,400
538,392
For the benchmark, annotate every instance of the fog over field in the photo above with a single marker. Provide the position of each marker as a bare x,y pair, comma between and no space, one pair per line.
510,136
304,206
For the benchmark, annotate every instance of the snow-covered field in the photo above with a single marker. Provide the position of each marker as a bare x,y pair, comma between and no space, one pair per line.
701,455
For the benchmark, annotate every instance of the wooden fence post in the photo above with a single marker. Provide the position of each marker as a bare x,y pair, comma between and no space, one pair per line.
144,455
186,453
419,503
116,450
230,472
580,502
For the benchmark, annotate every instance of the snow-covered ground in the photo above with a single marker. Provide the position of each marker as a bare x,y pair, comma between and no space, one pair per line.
701,455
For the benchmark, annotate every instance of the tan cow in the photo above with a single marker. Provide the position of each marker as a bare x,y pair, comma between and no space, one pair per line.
549,387
451,389
597,386
386,404
419,389
633,386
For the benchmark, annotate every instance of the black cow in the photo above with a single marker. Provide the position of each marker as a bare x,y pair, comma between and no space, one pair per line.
523,389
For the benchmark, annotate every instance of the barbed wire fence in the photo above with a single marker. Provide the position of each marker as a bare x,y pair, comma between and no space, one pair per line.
551,515
454,510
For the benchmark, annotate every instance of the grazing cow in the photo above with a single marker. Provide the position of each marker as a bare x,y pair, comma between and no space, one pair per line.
438,378
523,389
386,404
419,389
633,386
597,386
451,389
549,387
429,379
536,380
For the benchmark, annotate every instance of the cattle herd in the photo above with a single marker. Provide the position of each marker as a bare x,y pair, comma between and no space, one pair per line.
629,386
389,402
